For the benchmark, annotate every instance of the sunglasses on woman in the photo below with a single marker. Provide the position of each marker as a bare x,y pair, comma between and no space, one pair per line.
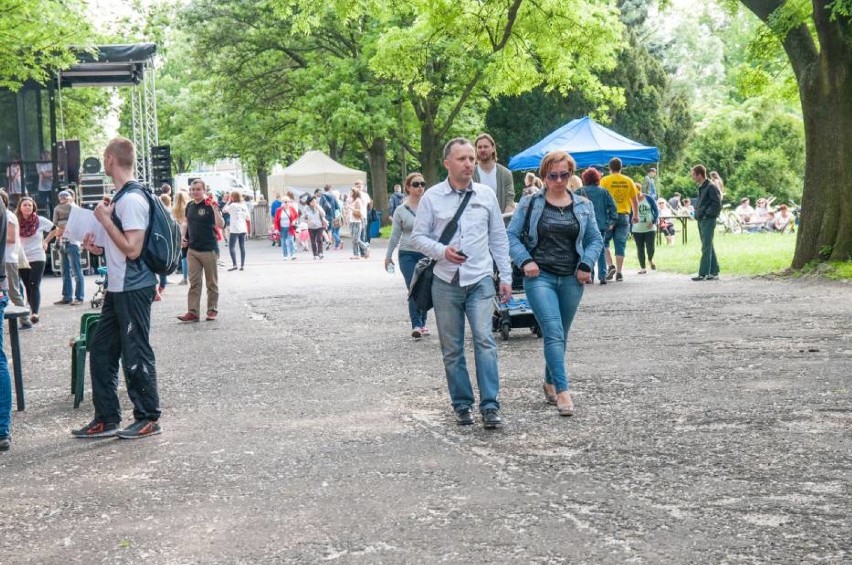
419,184
554,176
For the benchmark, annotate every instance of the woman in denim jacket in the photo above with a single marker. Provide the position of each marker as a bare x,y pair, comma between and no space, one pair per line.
556,252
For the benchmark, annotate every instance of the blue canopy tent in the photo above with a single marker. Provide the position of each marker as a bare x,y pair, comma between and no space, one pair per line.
589,143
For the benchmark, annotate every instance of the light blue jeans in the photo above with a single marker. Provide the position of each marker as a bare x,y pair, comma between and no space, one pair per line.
335,236
452,303
5,380
288,248
554,300
71,266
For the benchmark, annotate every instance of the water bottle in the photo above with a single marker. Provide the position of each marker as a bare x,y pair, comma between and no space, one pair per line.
390,268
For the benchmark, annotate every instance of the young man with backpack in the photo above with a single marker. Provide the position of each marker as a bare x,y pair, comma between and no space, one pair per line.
123,330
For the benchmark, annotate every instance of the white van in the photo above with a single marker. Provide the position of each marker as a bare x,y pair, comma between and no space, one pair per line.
219,182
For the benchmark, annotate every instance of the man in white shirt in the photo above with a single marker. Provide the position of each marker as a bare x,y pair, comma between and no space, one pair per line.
490,173
123,331
462,285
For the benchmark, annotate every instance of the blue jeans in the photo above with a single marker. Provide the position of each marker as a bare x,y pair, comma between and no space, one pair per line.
554,300
452,303
607,237
335,236
5,380
71,266
288,248
183,268
407,261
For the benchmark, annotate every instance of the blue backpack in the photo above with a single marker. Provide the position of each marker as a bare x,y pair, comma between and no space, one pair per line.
161,248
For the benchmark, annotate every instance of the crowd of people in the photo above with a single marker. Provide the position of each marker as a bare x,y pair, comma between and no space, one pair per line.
764,217
558,236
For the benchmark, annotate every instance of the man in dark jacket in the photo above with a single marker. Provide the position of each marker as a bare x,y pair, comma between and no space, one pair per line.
706,211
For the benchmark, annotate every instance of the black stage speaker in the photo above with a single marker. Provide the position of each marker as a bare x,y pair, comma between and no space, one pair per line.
161,166
68,159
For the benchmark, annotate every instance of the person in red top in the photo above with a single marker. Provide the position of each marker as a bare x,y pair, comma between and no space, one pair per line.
286,218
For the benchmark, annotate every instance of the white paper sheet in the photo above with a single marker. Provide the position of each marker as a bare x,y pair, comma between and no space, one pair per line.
82,222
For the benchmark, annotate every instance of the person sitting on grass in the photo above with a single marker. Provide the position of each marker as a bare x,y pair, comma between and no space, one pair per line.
783,219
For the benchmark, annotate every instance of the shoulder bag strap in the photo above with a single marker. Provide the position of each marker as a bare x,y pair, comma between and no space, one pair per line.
451,228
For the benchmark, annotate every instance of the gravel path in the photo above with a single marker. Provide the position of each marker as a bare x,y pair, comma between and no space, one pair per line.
713,425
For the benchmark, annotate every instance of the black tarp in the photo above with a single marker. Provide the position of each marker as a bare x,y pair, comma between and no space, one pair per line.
109,65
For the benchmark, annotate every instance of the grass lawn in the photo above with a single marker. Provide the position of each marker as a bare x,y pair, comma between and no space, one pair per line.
745,254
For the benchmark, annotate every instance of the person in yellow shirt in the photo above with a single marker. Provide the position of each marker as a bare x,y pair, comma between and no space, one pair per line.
623,191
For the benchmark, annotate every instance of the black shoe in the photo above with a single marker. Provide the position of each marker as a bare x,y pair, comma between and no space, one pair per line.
95,430
491,419
234,268
603,281
464,417
711,277
610,272
5,443
699,278
619,277
140,429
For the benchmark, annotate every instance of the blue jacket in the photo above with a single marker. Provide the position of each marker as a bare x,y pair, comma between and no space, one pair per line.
589,243
605,211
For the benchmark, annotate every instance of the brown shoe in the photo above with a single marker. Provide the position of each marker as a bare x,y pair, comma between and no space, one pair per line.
76,302
565,408
211,315
549,395
188,317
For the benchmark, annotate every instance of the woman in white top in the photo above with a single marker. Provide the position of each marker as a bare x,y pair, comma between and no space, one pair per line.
403,223
356,211
32,228
238,228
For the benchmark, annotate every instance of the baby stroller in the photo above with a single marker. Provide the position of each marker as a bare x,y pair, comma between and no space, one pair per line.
100,293
516,313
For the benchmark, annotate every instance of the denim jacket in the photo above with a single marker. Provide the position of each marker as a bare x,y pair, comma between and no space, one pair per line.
589,243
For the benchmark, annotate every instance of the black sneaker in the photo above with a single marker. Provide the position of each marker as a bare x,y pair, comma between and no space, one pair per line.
464,417
603,281
699,278
711,277
491,419
95,430
619,277
610,272
140,429
5,443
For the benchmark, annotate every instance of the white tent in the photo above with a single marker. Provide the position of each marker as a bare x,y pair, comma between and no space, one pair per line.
315,169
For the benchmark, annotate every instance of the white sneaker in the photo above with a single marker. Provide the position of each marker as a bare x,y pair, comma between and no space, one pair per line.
424,331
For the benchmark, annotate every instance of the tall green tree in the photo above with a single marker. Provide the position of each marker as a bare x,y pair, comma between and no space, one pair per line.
447,53
36,37
817,39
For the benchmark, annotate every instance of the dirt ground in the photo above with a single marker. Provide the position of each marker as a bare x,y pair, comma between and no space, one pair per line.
305,425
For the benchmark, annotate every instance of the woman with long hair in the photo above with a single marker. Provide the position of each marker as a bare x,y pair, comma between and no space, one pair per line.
315,217
32,228
554,238
356,210
403,223
179,214
239,214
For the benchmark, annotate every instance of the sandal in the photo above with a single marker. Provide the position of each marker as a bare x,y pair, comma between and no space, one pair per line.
550,398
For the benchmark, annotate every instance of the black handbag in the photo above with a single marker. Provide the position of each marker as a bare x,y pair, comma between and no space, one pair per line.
421,281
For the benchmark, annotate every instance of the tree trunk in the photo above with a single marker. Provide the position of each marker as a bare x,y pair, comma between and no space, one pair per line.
263,181
378,159
825,231
430,153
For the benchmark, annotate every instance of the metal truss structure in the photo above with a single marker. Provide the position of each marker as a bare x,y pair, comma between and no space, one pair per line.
143,102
